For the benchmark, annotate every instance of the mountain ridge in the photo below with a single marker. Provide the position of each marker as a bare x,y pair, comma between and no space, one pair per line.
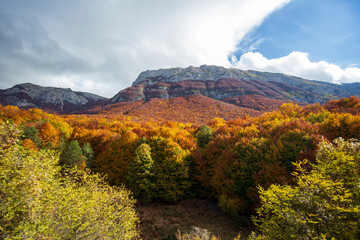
261,91
61,100
220,83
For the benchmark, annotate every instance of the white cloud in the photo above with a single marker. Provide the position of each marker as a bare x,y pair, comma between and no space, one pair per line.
111,42
298,64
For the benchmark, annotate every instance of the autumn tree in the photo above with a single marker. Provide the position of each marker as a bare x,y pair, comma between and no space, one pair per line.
29,144
49,135
343,125
116,157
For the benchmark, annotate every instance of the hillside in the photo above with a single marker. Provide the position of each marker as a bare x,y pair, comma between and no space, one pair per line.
193,109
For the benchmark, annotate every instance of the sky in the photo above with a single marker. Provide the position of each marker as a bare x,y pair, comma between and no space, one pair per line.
101,46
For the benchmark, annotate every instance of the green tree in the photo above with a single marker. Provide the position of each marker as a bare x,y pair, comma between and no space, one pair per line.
140,174
72,155
323,204
88,153
36,202
290,144
204,136
171,174
32,134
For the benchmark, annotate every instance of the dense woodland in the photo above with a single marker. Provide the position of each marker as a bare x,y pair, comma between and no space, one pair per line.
296,170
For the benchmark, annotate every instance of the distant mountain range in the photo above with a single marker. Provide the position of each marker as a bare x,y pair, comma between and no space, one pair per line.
257,91
60,100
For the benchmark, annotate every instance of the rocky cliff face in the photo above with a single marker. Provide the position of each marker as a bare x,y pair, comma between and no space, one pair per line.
221,83
62,100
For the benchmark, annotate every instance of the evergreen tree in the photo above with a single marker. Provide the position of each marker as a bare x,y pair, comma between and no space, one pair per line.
32,134
204,136
72,155
140,174
88,153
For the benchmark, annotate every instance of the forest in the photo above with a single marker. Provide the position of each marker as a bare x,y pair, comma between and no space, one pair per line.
295,171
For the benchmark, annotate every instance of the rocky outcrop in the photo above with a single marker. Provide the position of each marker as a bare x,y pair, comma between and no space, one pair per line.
221,83
203,73
62,100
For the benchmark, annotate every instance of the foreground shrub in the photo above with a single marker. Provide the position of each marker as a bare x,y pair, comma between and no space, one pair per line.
36,202
324,204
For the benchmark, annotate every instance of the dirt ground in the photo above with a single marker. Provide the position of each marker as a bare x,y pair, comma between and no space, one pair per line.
161,221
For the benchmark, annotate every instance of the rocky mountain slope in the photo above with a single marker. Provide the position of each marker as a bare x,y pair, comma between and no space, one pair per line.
221,83
61,100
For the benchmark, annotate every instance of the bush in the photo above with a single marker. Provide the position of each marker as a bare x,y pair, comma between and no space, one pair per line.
37,202
323,204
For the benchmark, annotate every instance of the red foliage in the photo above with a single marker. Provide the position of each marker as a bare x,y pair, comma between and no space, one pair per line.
190,109
344,105
257,102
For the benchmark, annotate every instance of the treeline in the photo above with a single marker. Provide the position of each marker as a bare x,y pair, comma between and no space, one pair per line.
169,161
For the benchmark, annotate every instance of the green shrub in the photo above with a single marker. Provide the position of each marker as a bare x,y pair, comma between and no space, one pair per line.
323,204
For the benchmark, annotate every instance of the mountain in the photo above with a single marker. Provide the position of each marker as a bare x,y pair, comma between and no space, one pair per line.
223,84
61,100
180,94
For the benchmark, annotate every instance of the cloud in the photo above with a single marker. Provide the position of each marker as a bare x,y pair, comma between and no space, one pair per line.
298,64
85,44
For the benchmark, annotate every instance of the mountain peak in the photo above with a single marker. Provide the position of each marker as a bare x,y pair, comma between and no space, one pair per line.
202,73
